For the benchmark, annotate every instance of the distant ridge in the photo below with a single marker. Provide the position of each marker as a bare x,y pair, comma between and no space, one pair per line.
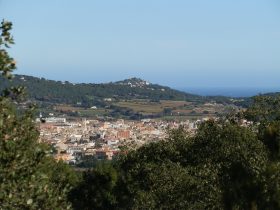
89,94
41,89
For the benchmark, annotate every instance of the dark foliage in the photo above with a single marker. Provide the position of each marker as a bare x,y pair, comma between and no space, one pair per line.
44,90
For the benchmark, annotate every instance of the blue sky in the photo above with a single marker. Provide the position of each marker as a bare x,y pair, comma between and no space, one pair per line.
180,43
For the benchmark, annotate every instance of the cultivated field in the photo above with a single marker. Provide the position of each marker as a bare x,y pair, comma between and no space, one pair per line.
164,109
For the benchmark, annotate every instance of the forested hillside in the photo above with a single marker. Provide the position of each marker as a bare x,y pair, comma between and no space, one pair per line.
89,94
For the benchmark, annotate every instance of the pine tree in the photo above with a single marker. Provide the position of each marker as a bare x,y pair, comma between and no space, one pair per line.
29,178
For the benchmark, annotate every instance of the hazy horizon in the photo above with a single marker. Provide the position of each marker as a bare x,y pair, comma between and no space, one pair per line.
229,91
199,90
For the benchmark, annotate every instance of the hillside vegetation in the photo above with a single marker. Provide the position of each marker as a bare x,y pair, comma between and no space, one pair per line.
130,99
42,89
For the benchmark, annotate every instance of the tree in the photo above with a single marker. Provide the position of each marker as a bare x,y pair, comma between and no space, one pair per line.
265,114
7,64
29,177
264,108
96,189
222,167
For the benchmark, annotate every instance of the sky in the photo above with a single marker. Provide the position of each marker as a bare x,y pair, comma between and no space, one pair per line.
179,43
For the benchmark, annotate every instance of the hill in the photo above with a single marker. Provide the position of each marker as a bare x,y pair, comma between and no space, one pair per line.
130,98
41,89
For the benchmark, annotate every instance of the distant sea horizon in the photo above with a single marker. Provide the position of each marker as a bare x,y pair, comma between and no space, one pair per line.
229,91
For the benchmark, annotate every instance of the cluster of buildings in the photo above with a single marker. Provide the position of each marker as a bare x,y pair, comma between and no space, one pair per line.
77,140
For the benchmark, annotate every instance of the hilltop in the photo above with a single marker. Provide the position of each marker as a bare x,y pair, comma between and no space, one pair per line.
41,89
132,98
134,82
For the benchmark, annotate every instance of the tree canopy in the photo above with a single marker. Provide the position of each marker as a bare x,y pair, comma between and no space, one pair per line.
29,176
223,166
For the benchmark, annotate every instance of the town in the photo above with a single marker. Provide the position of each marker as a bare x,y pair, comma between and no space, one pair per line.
75,141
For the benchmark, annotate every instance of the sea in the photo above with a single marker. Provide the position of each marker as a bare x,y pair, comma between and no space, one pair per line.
229,92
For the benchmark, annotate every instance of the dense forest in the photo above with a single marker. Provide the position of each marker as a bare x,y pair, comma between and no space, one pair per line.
225,165
87,95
